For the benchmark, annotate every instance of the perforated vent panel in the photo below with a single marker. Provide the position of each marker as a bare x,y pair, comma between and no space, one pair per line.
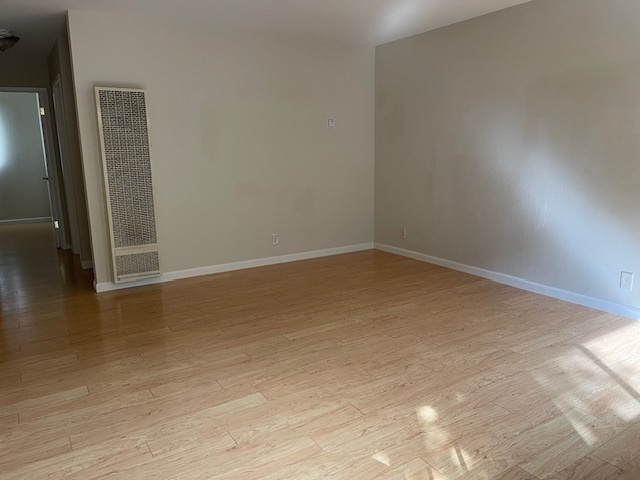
137,262
127,166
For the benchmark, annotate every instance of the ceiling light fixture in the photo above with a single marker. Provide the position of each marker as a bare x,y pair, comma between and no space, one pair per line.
7,40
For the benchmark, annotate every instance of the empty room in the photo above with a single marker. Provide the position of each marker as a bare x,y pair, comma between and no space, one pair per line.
285,239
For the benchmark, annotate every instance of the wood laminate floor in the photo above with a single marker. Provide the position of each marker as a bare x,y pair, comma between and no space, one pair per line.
358,366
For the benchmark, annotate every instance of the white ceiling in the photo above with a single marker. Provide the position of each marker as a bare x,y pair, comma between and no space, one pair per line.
368,22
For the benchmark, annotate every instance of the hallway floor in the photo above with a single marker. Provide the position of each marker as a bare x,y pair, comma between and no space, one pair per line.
32,269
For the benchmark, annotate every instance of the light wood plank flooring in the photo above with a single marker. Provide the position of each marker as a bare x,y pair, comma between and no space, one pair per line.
358,366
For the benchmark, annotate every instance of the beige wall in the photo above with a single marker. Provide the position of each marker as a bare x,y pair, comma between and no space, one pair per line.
23,193
59,63
511,142
239,138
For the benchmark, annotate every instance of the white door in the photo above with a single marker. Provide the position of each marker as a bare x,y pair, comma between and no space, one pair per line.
52,177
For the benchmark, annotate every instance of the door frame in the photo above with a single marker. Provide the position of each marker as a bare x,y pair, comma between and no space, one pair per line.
52,165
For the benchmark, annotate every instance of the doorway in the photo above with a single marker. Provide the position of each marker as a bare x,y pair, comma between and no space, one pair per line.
29,185
34,262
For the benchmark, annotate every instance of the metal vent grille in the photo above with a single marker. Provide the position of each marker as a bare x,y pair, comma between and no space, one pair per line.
124,138
137,262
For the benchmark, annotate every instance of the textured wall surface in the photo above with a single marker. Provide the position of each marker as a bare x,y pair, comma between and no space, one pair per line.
511,142
240,147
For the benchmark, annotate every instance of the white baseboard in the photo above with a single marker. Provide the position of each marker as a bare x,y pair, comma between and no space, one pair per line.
25,220
86,264
572,297
229,267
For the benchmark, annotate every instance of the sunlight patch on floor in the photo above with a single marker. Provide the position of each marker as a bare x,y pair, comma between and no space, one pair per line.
382,457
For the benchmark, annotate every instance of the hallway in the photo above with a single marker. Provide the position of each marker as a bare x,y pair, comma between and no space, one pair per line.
33,273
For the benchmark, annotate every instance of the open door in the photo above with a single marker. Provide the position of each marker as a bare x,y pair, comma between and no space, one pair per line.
52,177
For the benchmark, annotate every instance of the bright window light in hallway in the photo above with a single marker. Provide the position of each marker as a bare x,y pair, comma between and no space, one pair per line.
4,154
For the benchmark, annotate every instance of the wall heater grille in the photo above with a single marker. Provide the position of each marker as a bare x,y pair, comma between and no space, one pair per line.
126,159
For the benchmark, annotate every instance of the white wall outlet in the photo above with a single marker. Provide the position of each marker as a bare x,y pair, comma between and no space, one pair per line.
331,122
403,233
275,240
626,281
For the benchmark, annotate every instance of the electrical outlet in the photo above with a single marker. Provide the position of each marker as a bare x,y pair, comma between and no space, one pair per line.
626,281
403,233
275,240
